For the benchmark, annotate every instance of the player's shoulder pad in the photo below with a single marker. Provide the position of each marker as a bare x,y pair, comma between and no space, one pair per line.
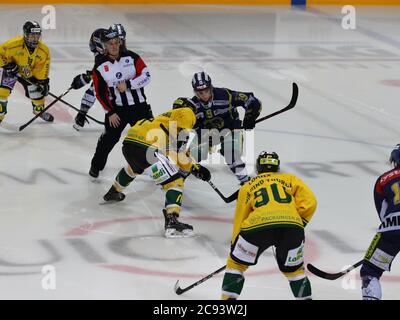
221,92
99,60
130,53
14,42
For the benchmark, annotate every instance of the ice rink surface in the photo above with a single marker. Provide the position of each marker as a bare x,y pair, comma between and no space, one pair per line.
337,139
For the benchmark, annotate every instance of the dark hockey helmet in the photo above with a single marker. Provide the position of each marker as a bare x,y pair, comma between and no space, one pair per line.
119,28
267,162
201,81
395,156
95,42
109,34
184,103
32,33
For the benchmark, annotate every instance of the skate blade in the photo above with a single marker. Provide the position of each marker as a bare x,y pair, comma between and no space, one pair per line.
173,233
76,127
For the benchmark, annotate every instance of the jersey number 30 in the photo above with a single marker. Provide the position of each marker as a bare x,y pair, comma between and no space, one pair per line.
262,197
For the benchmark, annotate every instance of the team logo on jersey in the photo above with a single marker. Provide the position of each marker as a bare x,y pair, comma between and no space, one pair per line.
118,75
106,68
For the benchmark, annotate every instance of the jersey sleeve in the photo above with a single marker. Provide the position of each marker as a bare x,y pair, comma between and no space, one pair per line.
142,77
378,196
101,89
42,68
306,202
248,102
243,209
4,57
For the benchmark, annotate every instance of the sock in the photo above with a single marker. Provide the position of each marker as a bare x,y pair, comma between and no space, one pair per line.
124,178
232,284
301,288
173,201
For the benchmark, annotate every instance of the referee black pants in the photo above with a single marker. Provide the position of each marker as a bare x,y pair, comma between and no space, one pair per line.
110,137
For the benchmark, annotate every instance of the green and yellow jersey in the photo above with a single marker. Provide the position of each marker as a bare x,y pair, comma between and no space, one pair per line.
35,64
273,200
148,132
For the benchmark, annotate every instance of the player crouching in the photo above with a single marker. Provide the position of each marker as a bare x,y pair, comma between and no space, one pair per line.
143,148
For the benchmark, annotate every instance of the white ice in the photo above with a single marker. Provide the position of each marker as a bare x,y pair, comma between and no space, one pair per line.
337,139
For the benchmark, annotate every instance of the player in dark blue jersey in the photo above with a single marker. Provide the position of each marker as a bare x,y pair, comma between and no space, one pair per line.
216,110
386,243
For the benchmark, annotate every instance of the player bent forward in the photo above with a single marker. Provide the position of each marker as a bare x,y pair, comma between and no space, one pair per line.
272,210
142,149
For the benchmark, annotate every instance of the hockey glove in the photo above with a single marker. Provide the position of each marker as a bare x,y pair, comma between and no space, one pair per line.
249,123
81,80
201,172
80,119
44,86
11,70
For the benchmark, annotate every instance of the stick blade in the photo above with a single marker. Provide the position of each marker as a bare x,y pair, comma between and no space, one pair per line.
295,95
177,289
232,197
323,274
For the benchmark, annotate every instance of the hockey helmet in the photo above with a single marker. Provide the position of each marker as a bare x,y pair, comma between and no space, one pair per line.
184,103
95,42
395,156
267,162
32,33
119,28
201,81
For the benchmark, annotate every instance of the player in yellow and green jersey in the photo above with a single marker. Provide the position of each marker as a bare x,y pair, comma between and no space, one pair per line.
272,210
25,59
147,149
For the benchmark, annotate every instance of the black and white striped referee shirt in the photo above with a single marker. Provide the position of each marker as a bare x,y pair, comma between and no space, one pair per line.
108,73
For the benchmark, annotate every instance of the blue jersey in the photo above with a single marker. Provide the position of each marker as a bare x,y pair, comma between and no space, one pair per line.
387,200
221,111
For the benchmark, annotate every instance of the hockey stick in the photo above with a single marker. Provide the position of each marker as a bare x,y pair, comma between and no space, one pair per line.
44,110
226,199
178,290
292,103
21,79
332,276
76,109
229,199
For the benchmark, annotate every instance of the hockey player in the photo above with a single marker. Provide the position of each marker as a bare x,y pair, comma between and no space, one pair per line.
272,210
89,97
25,57
386,243
144,149
217,111
119,78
